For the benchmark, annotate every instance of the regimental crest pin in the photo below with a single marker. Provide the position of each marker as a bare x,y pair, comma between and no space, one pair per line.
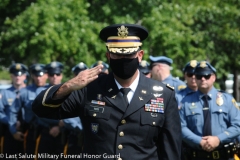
94,127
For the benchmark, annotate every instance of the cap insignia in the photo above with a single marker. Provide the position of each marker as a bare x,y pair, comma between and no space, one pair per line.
100,62
122,31
37,68
18,66
203,64
193,63
143,63
54,64
81,65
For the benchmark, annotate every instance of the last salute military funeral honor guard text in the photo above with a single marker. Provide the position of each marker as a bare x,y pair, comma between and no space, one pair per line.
147,129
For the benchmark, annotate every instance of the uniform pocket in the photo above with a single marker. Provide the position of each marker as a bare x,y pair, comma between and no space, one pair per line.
150,125
97,121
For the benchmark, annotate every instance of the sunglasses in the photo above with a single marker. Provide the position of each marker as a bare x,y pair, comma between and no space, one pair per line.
52,74
190,75
199,77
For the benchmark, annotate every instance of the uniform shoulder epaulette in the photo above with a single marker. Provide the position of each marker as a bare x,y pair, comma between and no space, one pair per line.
171,87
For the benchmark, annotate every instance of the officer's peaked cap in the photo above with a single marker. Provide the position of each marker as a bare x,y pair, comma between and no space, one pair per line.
190,66
54,67
144,67
161,59
123,38
37,69
79,67
18,69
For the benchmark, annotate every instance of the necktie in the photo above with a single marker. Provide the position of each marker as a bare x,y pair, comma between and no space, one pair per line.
125,92
207,117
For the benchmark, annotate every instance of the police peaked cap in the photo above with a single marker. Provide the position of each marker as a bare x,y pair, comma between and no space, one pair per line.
18,69
79,67
37,69
190,66
204,68
54,67
144,67
161,59
105,65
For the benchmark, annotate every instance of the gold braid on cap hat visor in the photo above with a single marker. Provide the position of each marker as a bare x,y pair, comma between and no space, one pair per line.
126,45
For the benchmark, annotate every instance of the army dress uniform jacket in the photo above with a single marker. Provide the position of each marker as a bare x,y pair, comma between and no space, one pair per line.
114,131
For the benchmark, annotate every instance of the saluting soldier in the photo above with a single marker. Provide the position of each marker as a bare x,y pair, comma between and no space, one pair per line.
10,112
125,115
161,71
190,78
209,118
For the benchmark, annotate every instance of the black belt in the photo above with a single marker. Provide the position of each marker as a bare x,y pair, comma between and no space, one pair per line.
216,154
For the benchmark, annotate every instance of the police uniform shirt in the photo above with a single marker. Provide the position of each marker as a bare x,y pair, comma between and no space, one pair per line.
182,93
27,98
176,83
112,129
10,106
225,117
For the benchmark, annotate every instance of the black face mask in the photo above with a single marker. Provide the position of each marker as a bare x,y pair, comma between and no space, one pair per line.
124,68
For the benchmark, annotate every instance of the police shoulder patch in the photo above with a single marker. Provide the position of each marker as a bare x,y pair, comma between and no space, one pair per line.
181,87
235,103
171,87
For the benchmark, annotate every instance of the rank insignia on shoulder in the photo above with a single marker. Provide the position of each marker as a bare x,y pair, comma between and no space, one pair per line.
235,103
98,102
171,87
94,127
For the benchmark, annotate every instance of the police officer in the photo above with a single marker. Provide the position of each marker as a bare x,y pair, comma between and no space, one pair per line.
39,77
125,115
209,117
190,79
78,68
144,67
161,67
105,66
51,140
10,111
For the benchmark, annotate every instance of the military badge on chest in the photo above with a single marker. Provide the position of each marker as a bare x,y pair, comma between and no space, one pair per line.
94,127
156,105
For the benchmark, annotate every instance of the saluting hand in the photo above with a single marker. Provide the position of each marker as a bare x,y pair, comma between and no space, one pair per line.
80,81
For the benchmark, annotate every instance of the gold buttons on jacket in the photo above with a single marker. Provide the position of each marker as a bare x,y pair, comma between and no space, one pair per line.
120,146
121,134
123,121
94,114
154,123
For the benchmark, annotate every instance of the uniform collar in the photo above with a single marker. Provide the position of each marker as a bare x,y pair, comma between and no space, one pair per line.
133,86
